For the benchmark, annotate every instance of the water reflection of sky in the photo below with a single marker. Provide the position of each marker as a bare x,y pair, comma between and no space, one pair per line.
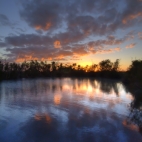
65,110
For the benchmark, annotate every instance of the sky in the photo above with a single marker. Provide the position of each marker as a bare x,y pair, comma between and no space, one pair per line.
71,31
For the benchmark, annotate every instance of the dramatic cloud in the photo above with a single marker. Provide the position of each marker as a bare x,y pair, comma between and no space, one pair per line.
57,44
91,16
111,50
43,14
132,12
69,29
28,40
140,35
46,48
132,45
111,40
131,17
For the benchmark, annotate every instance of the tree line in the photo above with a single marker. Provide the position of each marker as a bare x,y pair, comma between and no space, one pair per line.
104,69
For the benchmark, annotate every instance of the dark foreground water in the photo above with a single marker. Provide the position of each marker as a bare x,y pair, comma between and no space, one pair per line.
67,110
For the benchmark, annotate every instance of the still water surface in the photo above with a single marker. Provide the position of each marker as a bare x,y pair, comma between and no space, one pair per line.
66,110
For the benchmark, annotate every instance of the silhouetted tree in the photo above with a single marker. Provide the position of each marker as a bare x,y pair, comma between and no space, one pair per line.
134,74
105,65
135,70
116,65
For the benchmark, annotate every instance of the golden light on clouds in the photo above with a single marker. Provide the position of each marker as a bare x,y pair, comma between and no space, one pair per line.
25,57
48,25
39,27
60,57
49,59
22,58
57,44
131,17
107,51
140,35
131,45
52,32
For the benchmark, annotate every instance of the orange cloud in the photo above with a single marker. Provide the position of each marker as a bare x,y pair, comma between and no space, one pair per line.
131,17
131,45
140,35
49,59
57,44
38,27
25,57
20,60
111,50
81,51
47,26
60,57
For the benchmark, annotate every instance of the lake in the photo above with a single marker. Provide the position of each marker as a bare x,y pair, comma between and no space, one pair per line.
67,110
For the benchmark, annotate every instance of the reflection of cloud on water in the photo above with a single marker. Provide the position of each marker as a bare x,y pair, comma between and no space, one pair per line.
39,130
39,117
130,125
57,99
74,92
70,108
60,114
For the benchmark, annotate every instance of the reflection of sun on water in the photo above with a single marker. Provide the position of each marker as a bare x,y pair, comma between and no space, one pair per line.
97,91
90,92
82,88
90,89
66,87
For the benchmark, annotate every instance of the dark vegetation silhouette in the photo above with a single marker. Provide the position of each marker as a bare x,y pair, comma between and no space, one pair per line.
132,78
135,116
134,74
104,69
133,81
133,84
32,69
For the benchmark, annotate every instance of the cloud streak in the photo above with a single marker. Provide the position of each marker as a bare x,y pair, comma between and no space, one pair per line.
132,45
